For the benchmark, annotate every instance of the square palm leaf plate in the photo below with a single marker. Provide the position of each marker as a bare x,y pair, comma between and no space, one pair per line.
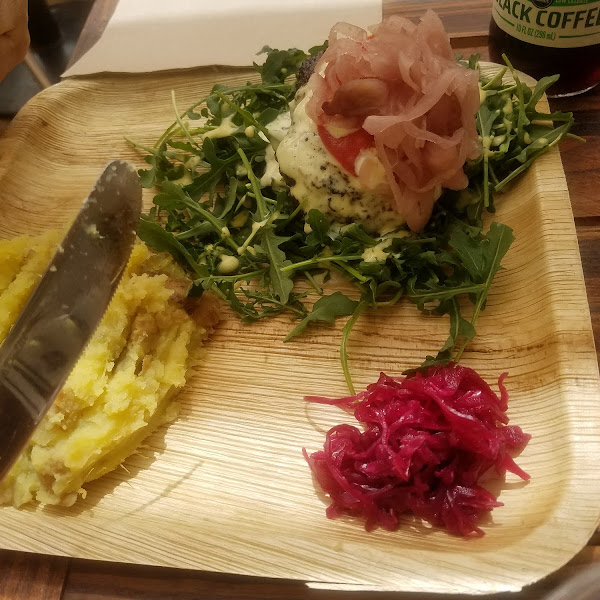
227,488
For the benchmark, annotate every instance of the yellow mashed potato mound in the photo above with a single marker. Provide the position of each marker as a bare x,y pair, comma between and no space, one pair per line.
122,387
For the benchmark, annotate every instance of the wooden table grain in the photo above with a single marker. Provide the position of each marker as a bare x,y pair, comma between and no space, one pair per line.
36,577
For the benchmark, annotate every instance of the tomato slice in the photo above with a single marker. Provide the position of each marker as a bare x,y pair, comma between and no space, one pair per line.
345,149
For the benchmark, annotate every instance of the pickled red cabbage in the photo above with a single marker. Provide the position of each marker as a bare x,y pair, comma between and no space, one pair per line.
427,442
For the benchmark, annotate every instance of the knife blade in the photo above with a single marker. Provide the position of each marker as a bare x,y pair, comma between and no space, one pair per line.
65,308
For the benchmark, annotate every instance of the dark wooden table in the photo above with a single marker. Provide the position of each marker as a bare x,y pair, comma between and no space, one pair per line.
35,577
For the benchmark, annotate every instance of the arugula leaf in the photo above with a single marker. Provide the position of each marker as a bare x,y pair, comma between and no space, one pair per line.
357,233
281,64
494,246
268,115
499,238
459,327
147,177
168,202
482,259
472,252
326,310
153,235
540,89
280,280
150,177
319,228
224,206
208,181
199,231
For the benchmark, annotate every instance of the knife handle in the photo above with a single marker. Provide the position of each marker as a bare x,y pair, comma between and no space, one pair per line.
16,426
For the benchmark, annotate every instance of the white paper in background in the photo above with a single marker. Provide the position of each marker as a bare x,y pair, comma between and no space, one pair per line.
156,35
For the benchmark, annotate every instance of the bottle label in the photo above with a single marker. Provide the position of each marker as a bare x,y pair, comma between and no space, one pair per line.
551,23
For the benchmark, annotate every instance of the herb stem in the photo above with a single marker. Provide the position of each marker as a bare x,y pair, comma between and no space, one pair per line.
180,121
286,305
362,306
197,130
392,300
354,272
238,277
291,217
320,259
215,289
423,240
486,177
260,200
217,224
449,293
141,147
313,283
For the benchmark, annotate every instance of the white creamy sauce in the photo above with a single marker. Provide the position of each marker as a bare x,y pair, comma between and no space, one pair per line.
377,253
240,219
227,264
225,129
272,176
185,179
241,171
320,182
254,229
279,127
486,143
382,250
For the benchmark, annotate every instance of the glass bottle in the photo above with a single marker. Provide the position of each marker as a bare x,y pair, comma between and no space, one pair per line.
545,37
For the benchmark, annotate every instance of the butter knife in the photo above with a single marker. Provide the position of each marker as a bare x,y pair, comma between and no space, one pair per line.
65,308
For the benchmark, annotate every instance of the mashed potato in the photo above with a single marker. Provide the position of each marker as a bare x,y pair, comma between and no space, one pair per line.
122,387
